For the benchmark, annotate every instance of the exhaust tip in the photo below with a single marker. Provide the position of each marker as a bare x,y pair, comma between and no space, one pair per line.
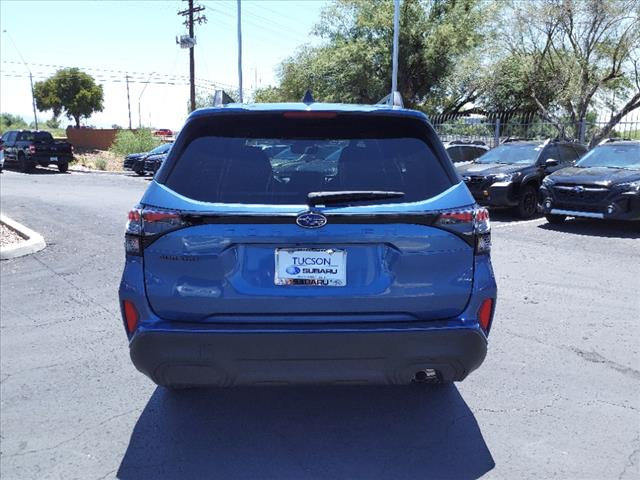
428,375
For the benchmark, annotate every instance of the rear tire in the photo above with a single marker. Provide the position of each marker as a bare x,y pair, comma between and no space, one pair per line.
528,203
63,167
555,219
24,164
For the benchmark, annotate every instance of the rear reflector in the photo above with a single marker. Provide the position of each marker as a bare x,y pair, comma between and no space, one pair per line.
484,314
130,316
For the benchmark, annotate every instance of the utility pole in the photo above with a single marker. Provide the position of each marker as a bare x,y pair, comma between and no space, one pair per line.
140,100
128,102
396,33
240,50
189,22
33,97
33,101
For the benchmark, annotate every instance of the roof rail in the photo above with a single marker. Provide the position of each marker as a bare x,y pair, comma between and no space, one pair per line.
467,142
394,99
524,139
220,98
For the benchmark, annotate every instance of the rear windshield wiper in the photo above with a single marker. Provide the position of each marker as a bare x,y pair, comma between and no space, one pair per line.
324,198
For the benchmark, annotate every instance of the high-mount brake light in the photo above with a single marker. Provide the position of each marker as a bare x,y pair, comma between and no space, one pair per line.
143,222
309,115
472,224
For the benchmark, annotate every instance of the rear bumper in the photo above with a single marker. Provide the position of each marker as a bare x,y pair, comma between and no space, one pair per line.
48,159
364,355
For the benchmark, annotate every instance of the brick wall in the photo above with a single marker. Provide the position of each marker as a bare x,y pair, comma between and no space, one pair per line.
98,138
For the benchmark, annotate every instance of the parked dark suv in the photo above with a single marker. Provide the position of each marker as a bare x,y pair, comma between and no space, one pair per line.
605,183
461,152
511,174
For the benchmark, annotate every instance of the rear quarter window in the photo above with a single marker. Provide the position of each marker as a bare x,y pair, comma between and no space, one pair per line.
272,160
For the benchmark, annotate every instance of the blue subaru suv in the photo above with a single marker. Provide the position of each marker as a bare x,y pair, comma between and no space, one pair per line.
307,243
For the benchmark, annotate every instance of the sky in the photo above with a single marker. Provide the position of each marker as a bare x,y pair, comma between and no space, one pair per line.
114,39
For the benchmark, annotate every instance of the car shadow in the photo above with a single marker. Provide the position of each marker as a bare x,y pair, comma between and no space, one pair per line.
38,170
338,432
596,228
508,215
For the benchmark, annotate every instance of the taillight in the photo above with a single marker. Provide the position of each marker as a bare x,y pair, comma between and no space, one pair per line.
484,314
472,224
146,222
32,149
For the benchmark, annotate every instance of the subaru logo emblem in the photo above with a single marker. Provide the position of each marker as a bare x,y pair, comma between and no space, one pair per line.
311,220
578,189
292,270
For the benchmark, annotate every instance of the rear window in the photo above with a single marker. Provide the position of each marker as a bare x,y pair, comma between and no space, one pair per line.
44,137
280,161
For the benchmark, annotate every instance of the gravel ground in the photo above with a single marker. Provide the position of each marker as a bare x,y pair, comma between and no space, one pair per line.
93,159
8,236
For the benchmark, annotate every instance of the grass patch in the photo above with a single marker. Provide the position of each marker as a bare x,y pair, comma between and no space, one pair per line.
127,142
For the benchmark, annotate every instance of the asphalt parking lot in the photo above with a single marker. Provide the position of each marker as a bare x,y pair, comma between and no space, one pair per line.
557,397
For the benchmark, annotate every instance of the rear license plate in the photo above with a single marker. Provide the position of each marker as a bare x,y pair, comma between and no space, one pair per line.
54,159
324,268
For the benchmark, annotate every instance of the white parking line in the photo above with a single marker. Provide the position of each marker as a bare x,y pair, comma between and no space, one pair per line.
522,222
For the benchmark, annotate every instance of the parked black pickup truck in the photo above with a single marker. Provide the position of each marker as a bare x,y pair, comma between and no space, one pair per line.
29,148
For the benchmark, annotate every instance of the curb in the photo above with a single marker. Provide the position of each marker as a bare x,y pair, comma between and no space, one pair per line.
101,172
33,240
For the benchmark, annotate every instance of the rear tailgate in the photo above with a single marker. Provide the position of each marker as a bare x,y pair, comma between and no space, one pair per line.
227,273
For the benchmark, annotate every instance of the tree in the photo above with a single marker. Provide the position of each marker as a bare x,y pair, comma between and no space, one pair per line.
70,91
354,63
11,122
592,48
53,122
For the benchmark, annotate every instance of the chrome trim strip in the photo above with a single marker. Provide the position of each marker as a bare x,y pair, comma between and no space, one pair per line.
586,189
573,213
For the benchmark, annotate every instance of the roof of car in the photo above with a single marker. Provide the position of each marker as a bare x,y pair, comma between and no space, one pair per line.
614,142
304,107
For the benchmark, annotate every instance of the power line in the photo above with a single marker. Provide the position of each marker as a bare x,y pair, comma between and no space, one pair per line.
263,31
115,79
137,77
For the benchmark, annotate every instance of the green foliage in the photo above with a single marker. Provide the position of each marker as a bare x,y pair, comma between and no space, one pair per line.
101,164
128,141
53,123
11,122
70,91
354,64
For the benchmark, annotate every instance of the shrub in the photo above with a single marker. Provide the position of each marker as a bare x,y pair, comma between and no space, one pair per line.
127,142
101,164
